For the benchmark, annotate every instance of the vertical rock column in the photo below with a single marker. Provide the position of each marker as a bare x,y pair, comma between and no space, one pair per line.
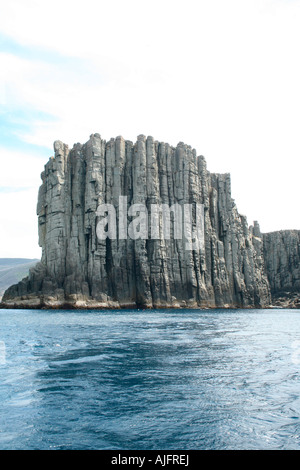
52,213
75,284
156,248
94,153
139,187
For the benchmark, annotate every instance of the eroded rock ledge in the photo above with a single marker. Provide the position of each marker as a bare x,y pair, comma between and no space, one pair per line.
236,268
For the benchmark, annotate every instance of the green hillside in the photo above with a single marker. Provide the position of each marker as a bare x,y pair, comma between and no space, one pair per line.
13,270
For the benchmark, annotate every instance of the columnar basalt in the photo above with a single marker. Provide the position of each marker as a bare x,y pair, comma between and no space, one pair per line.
282,261
79,270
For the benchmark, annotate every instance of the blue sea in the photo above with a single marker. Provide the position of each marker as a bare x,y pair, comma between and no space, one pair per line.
154,379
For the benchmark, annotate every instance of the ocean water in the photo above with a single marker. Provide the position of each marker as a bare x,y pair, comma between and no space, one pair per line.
161,379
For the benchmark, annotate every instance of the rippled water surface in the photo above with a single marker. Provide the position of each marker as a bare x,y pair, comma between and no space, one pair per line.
161,379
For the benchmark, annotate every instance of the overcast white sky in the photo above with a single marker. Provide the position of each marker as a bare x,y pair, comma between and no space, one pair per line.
222,76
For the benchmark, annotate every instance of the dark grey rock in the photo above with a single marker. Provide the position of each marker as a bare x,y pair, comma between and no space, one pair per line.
282,261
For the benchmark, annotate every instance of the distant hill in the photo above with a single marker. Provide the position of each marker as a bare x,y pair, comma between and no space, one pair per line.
13,270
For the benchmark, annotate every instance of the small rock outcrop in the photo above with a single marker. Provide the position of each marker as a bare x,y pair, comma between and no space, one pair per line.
234,266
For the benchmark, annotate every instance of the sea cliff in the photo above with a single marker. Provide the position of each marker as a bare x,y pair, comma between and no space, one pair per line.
236,266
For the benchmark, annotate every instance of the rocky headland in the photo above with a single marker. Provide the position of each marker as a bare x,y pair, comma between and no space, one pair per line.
236,266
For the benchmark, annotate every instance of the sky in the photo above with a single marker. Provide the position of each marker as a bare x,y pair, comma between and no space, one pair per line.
221,76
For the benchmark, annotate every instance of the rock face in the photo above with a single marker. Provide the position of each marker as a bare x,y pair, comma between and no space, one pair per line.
80,270
282,261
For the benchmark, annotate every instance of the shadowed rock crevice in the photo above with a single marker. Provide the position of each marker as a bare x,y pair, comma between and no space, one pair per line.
236,267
